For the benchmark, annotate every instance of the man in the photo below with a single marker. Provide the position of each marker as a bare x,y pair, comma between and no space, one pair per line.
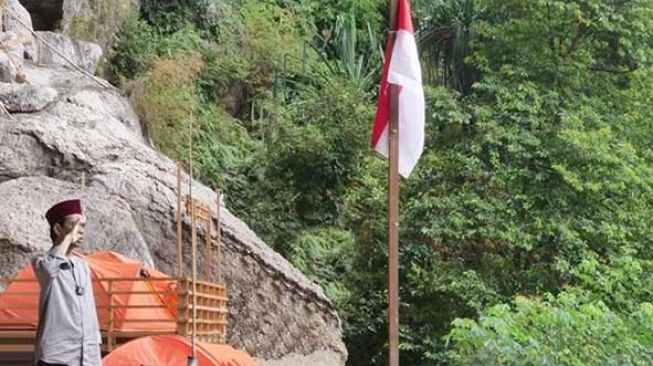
68,332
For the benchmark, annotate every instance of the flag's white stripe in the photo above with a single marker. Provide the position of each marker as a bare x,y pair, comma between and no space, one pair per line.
411,130
382,145
405,71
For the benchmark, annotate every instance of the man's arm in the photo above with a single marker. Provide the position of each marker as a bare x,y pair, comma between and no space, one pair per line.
47,264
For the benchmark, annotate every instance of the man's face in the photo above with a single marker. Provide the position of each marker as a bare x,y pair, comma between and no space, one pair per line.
69,225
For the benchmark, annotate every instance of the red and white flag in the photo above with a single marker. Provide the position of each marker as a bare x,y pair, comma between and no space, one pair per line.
401,68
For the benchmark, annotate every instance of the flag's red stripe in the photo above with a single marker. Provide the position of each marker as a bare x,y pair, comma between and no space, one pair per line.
404,22
382,117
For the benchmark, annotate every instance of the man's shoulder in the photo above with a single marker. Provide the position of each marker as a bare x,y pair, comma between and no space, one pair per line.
52,252
75,257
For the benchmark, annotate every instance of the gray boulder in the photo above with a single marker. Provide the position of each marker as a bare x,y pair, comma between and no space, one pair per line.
58,41
31,52
7,69
83,54
12,58
87,55
110,224
16,50
111,105
15,18
26,98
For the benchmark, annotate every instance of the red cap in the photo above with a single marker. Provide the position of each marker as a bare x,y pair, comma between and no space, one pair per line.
62,209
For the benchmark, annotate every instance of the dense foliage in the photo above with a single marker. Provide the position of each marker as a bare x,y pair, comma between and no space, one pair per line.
526,234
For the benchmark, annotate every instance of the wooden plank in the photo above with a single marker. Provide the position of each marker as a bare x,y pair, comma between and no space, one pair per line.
132,279
209,321
132,306
17,333
212,322
203,283
16,348
142,292
206,333
213,310
222,299
98,280
23,323
200,282
21,307
147,321
138,334
182,308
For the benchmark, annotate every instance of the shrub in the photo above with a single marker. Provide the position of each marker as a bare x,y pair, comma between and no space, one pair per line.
558,330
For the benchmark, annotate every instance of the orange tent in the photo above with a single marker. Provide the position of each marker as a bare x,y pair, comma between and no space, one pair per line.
173,350
153,294
19,302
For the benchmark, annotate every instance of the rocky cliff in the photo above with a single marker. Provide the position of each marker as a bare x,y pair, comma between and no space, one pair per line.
96,21
63,124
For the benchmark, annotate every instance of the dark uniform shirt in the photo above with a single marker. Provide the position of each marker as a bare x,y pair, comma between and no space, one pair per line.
68,331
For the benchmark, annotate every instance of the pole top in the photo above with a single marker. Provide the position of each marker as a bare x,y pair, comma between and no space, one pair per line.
394,6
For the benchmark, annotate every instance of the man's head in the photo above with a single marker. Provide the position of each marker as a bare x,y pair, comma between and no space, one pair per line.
63,217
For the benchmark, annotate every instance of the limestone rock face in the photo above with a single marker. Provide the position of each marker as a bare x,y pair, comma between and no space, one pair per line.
17,21
7,69
25,200
276,313
96,21
25,97
15,18
11,59
83,54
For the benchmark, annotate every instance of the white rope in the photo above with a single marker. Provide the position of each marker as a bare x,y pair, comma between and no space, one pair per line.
4,110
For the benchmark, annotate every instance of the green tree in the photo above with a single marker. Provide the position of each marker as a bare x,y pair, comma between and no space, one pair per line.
564,330
536,180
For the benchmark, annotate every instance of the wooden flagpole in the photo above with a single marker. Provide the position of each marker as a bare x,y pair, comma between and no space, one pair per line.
393,210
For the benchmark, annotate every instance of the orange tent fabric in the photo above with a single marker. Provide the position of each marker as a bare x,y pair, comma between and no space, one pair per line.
173,350
19,303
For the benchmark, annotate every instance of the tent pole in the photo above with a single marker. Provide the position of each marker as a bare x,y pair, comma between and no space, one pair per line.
218,229
192,361
180,255
208,253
